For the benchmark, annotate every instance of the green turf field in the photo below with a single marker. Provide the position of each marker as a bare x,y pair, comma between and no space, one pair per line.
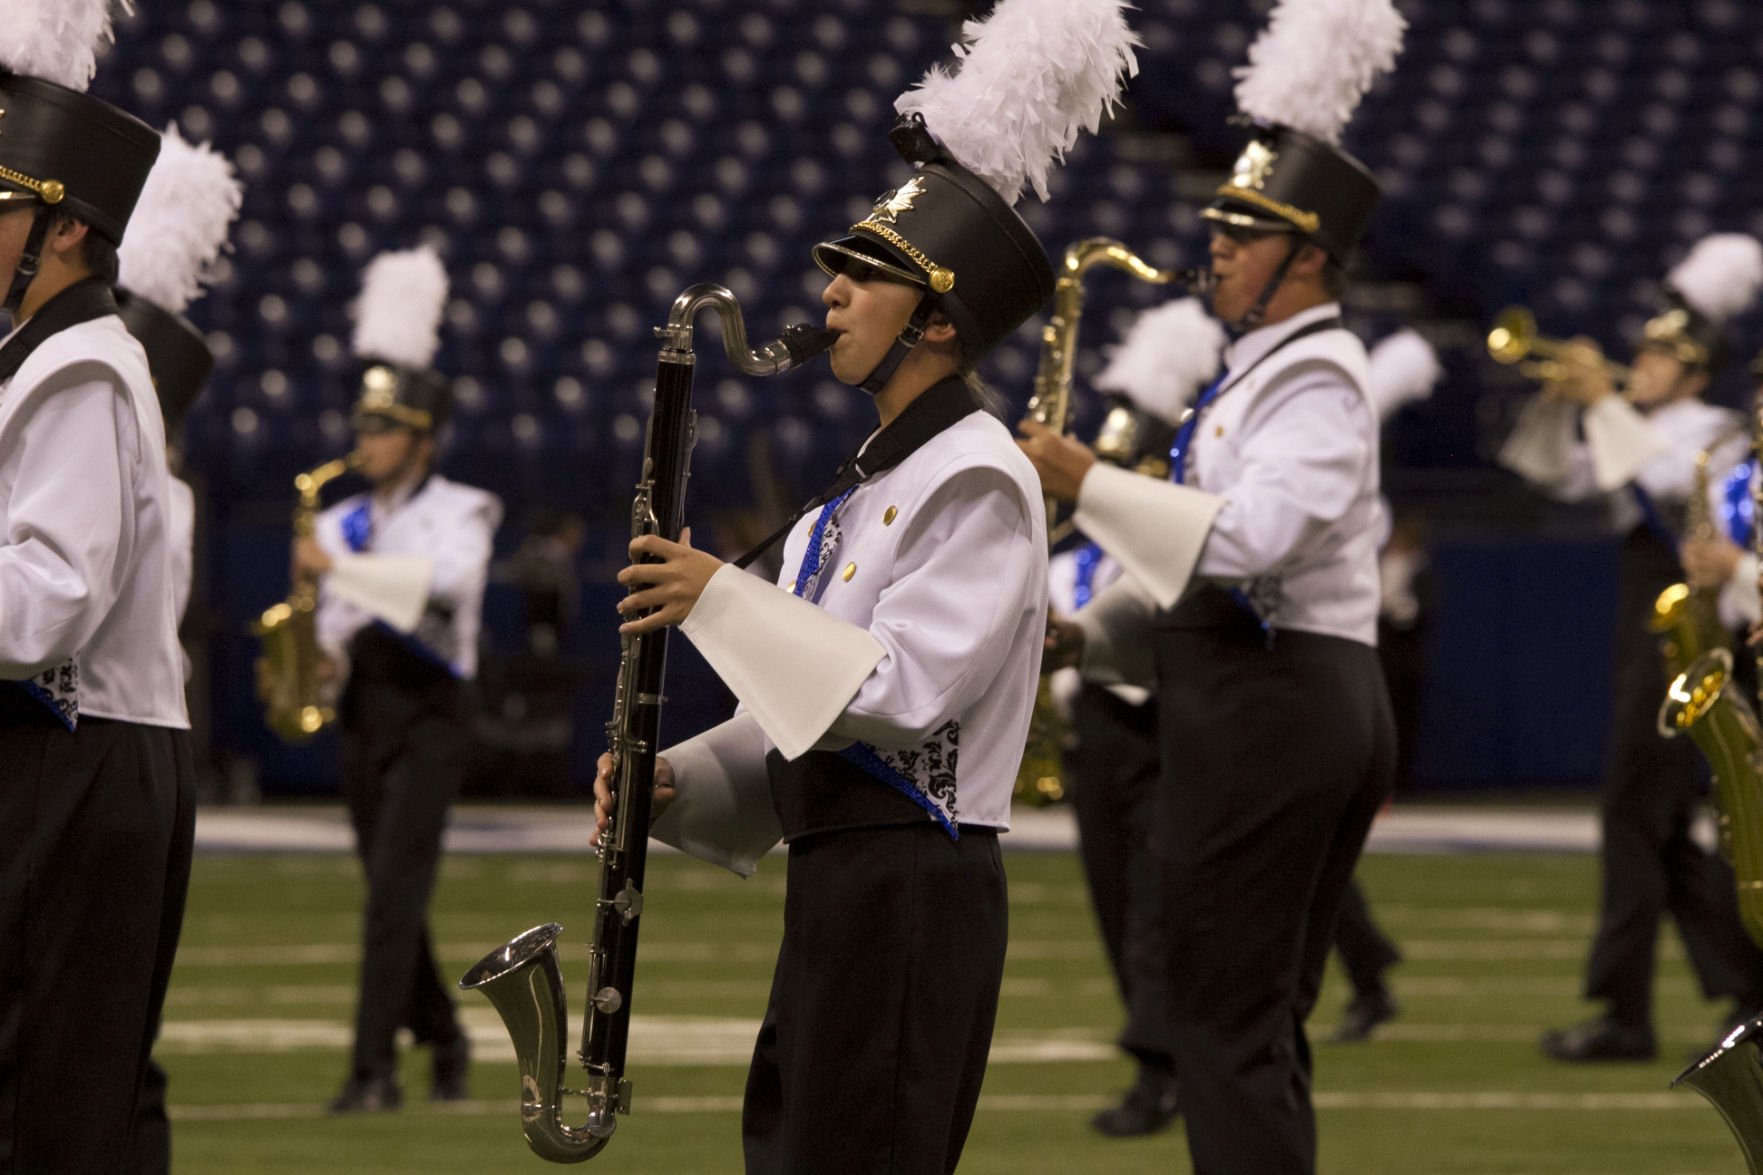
257,1028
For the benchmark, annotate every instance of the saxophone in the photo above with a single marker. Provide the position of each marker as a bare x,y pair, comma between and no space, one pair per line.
1725,726
1037,779
1685,618
522,977
287,670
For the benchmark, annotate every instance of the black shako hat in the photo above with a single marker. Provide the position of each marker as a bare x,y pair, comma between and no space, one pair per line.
1680,330
948,231
177,355
396,396
1285,179
73,152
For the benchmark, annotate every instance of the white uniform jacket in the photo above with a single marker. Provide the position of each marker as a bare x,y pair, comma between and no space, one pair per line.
87,609
417,563
1062,575
1621,448
921,637
1280,502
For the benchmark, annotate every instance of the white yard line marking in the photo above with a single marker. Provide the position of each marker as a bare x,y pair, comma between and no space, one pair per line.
1417,1101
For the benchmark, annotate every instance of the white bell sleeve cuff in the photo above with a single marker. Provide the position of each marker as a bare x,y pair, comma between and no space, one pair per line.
1620,440
1541,445
1117,628
793,666
1740,605
392,588
722,811
1154,529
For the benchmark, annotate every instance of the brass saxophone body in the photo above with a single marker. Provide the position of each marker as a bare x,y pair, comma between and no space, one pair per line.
1686,619
1703,702
1038,779
288,684
522,978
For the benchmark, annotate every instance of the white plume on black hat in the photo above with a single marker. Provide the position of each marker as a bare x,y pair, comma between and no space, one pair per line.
56,40
1404,370
398,315
1169,353
179,228
1314,62
1721,276
1033,74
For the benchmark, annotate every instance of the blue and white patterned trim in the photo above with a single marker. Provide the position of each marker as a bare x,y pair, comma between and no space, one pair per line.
358,527
823,540
926,775
58,689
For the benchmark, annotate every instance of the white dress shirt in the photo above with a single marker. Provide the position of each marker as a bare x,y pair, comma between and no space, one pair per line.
85,556
445,529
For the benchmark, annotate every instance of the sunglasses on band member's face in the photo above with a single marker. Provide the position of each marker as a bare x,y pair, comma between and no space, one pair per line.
1238,234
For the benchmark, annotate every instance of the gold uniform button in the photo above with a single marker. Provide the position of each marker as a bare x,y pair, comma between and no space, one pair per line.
1218,431
850,570
888,515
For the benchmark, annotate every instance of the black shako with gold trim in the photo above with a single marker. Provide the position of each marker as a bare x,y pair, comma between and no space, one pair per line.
1680,330
72,152
396,396
948,231
177,354
1287,180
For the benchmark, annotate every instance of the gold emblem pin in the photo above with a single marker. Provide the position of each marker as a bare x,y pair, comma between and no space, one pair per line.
888,515
1253,166
897,201
1218,430
850,570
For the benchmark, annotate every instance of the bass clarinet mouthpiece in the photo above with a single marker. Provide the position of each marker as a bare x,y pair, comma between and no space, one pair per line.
803,341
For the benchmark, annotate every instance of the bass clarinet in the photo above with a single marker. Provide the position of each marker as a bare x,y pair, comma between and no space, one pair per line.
522,977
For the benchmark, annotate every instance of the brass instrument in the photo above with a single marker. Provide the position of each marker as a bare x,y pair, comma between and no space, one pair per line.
1725,726
1037,780
522,977
1514,340
294,699
1685,618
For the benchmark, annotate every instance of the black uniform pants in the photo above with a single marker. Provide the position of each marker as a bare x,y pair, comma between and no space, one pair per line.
1366,952
1112,775
1275,761
96,833
874,1044
404,757
1650,864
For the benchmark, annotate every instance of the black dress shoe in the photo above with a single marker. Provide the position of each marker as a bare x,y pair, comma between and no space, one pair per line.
1149,1106
452,1070
1364,1013
1600,1039
367,1095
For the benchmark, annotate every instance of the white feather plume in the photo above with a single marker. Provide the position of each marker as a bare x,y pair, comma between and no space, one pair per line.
1169,353
1032,75
398,316
1316,60
179,227
1404,369
56,40
1721,275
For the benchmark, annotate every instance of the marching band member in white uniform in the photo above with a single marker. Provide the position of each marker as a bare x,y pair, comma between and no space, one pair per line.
402,570
1111,771
1250,601
1727,561
96,788
175,236
1639,455
888,677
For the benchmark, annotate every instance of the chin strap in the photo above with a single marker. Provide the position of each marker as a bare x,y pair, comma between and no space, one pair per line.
910,336
1258,311
28,262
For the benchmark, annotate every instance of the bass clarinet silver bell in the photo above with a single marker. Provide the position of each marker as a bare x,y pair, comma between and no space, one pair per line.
522,978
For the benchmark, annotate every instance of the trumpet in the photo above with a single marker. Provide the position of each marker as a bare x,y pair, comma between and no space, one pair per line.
1514,340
